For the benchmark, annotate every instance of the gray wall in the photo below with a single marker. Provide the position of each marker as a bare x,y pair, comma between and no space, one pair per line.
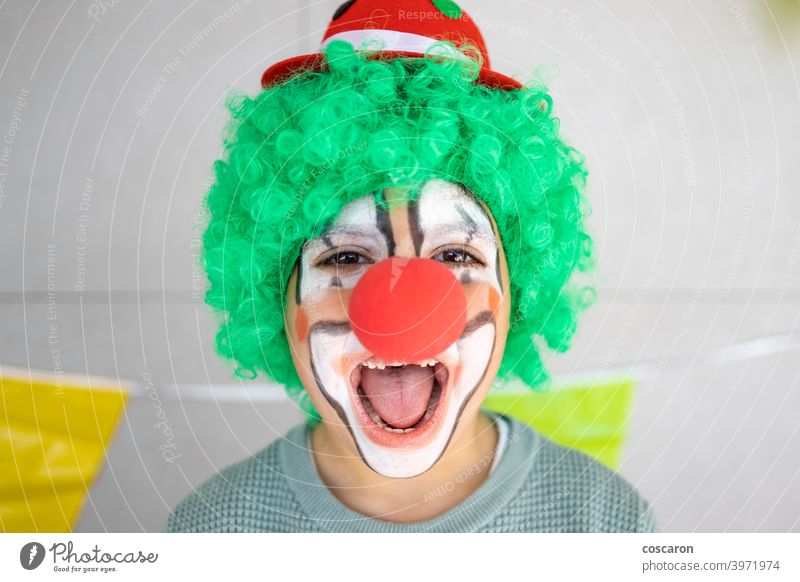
688,113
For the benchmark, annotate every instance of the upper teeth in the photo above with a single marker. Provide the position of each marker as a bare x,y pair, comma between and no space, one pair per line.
382,365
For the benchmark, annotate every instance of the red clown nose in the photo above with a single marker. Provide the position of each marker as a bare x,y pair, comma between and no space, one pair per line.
408,309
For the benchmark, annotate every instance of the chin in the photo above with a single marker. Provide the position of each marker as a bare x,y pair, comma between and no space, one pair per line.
400,439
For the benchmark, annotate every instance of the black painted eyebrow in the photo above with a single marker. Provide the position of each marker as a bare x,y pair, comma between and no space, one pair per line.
473,231
468,223
495,233
478,202
472,226
325,237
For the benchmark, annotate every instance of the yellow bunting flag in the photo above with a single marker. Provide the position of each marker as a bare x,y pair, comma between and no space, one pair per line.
591,418
53,439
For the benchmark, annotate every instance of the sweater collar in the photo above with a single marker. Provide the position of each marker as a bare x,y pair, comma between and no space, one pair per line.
480,508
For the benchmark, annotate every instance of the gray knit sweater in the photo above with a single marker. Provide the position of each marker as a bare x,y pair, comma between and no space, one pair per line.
536,486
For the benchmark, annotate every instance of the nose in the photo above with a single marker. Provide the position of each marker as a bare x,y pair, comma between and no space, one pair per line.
407,309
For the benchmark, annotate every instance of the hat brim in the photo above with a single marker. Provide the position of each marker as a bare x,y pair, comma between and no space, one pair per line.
282,71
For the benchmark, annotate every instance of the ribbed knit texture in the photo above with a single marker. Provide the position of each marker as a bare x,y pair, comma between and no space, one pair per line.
537,486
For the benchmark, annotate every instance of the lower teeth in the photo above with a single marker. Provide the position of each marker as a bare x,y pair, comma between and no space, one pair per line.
434,400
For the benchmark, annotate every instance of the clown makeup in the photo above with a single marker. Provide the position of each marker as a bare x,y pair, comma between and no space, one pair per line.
401,414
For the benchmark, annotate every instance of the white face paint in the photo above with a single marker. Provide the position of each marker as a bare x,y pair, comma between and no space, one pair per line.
445,224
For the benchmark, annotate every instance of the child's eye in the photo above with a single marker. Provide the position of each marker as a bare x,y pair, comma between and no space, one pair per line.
345,258
455,256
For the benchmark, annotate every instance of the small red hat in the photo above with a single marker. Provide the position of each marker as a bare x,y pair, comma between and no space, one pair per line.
405,29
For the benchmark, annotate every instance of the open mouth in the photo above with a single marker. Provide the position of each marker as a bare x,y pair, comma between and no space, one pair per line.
400,398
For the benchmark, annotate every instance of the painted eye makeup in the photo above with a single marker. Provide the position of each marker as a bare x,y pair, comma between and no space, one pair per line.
343,258
458,256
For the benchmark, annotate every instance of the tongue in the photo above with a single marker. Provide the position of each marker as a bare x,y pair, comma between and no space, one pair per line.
399,395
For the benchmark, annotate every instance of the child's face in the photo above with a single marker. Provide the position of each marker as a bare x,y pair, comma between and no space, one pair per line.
399,416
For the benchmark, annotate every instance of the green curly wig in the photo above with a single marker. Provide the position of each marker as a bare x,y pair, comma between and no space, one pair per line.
297,152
